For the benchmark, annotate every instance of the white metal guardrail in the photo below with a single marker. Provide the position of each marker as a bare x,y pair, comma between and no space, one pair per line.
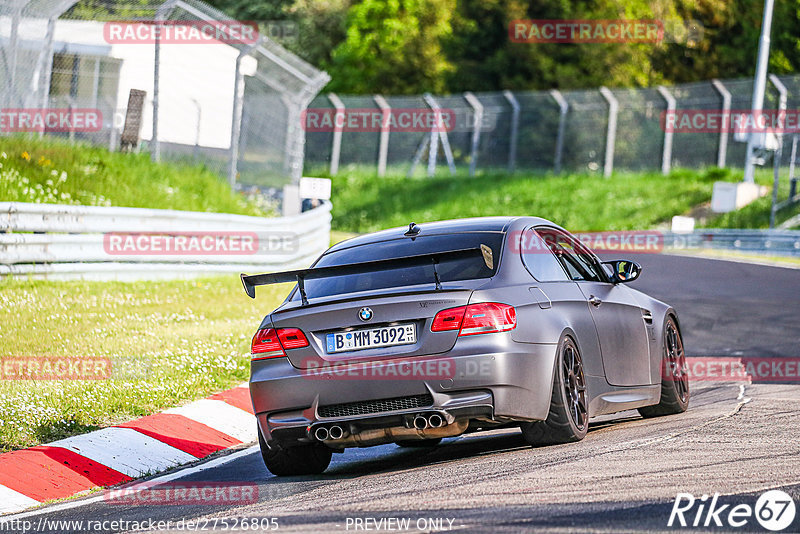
772,242
65,242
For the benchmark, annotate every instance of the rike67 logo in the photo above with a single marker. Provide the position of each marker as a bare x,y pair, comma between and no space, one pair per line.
774,510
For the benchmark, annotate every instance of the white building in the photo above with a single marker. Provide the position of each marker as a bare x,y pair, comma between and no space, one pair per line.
195,89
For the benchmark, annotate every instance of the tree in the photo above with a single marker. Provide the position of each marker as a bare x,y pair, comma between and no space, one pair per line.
322,26
728,45
412,46
393,46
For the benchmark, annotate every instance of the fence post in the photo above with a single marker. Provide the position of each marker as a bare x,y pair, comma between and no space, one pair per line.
294,147
336,146
477,120
96,82
722,153
779,134
13,42
47,65
512,149
163,9
611,134
436,135
759,87
383,149
236,118
155,149
196,149
112,134
71,107
666,155
563,108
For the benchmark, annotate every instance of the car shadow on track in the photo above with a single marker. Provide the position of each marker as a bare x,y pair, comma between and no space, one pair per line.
386,458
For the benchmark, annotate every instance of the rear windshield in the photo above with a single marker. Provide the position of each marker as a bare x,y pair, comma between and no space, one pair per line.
449,270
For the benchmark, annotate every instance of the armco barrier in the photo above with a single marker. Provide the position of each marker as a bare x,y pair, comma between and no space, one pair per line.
770,242
65,242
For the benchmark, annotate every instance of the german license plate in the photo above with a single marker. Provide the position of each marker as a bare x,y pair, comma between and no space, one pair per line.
387,336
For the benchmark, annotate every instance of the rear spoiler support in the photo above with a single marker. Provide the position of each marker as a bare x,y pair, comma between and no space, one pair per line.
301,285
249,282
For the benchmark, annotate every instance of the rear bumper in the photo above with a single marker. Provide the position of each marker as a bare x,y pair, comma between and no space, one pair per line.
514,383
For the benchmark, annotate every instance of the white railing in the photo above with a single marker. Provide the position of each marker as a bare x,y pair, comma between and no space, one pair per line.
65,242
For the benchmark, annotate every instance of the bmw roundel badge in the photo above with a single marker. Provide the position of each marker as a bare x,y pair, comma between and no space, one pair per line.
365,314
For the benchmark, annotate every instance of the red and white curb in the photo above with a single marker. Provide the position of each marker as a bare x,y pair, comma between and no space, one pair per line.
121,453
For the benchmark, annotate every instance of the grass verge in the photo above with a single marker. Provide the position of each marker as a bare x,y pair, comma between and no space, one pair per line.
756,214
363,202
52,171
168,342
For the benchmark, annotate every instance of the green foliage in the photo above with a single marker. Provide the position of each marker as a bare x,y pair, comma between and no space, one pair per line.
756,214
411,46
362,202
168,342
56,172
105,10
321,27
394,45
729,42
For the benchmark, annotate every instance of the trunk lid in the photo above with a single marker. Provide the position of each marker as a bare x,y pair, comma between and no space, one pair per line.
410,306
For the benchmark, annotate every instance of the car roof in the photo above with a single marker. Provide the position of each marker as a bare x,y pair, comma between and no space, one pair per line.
452,226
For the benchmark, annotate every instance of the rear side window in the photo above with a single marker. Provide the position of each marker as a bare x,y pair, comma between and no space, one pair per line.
539,259
449,270
578,262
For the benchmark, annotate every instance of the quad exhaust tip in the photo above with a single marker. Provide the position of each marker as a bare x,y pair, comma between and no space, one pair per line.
435,421
321,433
420,422
423,421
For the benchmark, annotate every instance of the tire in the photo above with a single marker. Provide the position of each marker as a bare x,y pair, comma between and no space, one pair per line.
419,443
293,461
674,377
568,419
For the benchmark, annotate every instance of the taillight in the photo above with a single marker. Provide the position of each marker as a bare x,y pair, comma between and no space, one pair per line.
482,318
448,319
272,343
488,317
292,338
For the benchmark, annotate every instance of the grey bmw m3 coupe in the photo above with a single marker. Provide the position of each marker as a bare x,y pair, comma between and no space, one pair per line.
415,334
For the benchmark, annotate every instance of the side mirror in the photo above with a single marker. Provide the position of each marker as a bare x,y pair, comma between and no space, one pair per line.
624,271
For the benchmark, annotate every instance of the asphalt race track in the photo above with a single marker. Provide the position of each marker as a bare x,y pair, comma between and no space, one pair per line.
727,308
737,439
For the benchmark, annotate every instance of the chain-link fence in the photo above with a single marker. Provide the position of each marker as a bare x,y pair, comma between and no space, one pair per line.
201,87
238,105
570,131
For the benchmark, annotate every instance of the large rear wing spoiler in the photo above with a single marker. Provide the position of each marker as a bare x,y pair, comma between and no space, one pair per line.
300,276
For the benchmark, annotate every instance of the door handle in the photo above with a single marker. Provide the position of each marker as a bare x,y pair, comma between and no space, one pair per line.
594,301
